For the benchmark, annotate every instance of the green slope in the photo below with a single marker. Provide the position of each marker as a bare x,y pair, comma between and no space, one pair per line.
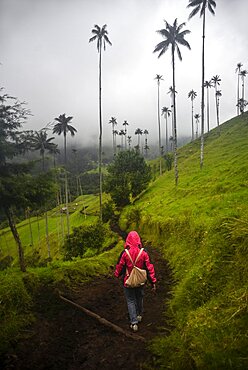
83,210
202,229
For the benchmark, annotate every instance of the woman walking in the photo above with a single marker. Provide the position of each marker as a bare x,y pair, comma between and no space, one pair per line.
134,296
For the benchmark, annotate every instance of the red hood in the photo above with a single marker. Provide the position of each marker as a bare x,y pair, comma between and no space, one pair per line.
133,240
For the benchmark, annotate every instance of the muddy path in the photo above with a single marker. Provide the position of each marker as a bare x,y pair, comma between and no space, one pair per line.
64,338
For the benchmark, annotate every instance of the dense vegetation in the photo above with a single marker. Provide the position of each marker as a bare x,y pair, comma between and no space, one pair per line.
201,228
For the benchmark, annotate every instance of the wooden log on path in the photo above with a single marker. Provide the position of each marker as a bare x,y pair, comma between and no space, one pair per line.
103,321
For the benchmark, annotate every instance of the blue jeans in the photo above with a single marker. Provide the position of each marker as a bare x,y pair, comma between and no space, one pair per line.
134,297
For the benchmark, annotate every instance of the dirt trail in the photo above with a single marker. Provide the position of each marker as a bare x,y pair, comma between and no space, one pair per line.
63,338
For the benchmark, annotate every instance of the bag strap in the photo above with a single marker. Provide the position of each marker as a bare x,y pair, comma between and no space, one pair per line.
134,263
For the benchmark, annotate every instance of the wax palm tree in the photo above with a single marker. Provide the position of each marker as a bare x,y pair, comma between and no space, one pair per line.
208,85
125,124
159,78
146,147
62,127
197,120
171,92
138,132
242,104
200,6
166,113
54,151
238,70
122,133
41,142
216,82
243,75
115,133
173,36
129,140
101,38
192,95
218,95
113,122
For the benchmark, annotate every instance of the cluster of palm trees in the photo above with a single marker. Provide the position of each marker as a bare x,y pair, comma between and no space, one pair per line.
241,102
123,133
173,36
213,82
39,140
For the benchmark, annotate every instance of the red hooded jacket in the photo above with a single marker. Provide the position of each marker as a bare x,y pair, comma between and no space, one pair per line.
133,244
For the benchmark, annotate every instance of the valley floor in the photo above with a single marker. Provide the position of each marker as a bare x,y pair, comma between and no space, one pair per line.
64,338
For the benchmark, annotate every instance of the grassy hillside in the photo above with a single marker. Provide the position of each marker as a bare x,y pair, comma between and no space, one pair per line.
83,211
202,229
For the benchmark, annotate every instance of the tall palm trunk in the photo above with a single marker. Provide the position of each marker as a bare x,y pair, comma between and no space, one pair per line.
174,118
202,90
159,134
16,236
166,133
192,119
100,132
238,106
66,188
217,109
208,108
243,88
113,134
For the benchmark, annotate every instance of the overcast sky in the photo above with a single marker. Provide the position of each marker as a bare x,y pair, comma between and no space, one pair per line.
47,60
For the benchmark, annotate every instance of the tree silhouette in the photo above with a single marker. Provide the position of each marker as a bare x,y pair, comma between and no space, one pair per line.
62,127
242,104
101,38
243,75
192,95
166,113
125,124
129,140
115,133
159,78
238,70
138,132
197,119
171,92
41,142
113,122
216,82
200,7
146,147
122,133
173,36
208,85
218,95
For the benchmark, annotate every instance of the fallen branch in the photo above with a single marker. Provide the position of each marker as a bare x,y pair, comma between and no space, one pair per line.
104,321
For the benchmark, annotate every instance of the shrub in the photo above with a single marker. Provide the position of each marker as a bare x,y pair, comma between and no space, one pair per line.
108,211
83,238
127,177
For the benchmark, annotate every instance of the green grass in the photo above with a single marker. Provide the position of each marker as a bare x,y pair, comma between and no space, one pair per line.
84,210
202,229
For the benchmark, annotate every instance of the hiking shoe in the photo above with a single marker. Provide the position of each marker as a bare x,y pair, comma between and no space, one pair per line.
139,318
134,327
